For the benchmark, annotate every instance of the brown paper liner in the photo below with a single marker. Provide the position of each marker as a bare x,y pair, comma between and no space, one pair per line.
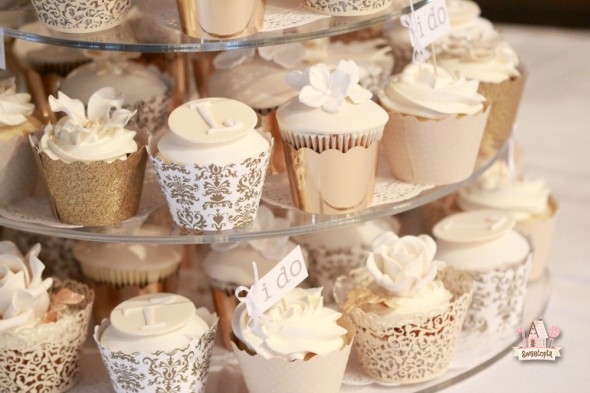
504,99
319,374
539,230
433,151
97,193
332,182
108,296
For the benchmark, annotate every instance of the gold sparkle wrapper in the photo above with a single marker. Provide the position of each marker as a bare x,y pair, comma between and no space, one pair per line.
18,171
422,151
96,193
504,99
319,374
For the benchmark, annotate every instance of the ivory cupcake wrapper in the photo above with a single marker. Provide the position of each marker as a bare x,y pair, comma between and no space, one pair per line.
180,370
498,297
96,193
332,182
213,197
81,16
347,7
18,171
319,374
123,277
411,348
433,151
46,358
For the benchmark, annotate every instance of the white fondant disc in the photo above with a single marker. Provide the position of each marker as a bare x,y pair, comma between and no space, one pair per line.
473,226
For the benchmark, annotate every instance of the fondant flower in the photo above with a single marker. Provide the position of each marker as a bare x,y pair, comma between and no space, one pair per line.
14,107
403,266
321,88
24,299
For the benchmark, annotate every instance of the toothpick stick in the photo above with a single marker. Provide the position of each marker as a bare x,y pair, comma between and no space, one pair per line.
433,50
283,305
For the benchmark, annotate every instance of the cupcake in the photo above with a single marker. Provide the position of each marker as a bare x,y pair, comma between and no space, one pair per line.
331,135
484,245
528,201
18,172
145,89
335,252
211,164
295,346
436,122
157,342
347,8
485,56
43,325
119,271
407,320
228,266
81,16
93,167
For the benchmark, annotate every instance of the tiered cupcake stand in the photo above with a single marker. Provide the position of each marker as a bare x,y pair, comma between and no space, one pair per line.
153,27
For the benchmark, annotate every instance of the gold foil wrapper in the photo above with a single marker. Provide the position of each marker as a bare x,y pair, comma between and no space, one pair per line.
221,19
421,151
97,193
225,305
504,99
332,182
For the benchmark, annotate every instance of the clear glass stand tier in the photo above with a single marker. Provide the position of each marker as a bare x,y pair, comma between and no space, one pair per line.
153,26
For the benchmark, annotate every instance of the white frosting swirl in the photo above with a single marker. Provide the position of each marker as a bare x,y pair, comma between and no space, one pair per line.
321,88
433,93
98,136
292,329
14,107
480,54
496,189
403,266
24,299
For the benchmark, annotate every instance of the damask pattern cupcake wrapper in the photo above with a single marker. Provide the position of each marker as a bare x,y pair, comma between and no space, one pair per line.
181,370
347,7
213,197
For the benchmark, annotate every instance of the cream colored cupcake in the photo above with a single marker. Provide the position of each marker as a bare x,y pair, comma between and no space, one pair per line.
18,171
92,165
43,325
296,346
331,135
436,122
211,164
157,342
484,245
119,271
406,318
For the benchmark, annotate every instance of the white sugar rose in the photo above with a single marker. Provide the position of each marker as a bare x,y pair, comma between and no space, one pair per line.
24,299
403,266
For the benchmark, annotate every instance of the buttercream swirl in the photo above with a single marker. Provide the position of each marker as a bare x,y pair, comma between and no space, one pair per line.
24,299
14,107
293,329
480,54
99,135
496,189
321,88
433,93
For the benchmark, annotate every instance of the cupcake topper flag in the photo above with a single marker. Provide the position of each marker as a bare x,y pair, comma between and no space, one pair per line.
426,24
272,287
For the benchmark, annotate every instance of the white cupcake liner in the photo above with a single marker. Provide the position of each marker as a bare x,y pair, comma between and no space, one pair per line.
196,204
319,143
409,348
319,374
46,358
81,16
180,370
498,296
124,277
347,7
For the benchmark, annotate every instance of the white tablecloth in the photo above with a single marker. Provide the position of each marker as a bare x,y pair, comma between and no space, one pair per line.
554,128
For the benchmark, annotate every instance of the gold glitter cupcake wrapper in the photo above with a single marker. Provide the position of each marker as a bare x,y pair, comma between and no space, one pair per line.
213,197
96,193
332,182
180,370
18,171
433,151
318,374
